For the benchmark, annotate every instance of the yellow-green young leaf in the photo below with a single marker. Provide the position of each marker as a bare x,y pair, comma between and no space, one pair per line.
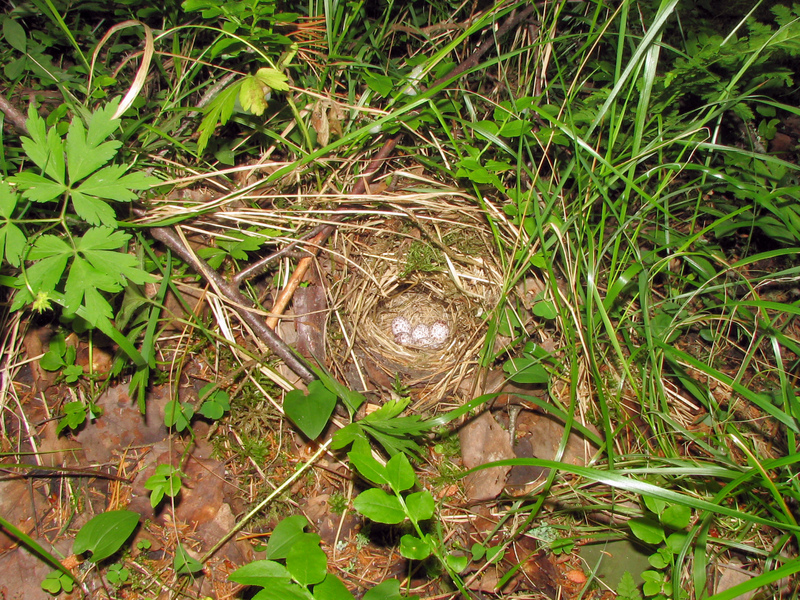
273,79
252,96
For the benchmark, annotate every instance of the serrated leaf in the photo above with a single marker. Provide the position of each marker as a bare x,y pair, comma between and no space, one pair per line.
400,473
286,533
84,158
273,79
93,210
219,110
306,561
14,34
377,505
101,123
46,150
37,188
310,412
96,246
332,588
12,244
646,530
83,278
112,183
104,534
252,96
260,572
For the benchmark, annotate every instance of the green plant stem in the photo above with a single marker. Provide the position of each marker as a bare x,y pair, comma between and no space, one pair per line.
261,505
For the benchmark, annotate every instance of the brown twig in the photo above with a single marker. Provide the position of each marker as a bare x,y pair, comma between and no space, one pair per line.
13,115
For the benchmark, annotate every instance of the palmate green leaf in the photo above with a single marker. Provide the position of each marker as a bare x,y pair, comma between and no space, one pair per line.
12,243
252,95
37,188
273,79
112,183
43,147
84,158
83,279
219,110
99,246
93,210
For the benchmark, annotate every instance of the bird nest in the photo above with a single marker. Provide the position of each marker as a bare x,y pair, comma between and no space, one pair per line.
420,283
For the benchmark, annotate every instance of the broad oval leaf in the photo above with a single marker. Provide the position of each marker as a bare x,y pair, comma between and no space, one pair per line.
646,530
420,505
285,534
379,506
332,588
260,572
400,473
104,534
414,548
306,561
526,370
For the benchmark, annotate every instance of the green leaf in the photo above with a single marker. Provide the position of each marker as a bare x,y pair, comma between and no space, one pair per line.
420,505
37,188
51,361
332,588
545,310
83,278
386,590
676,516
14,34
219,110
627,588
646,530
273,78
310,413
494,554
104,534
280,590
285,534
260,572
84,158
399,473
44,148
414,548
379,506
526,370
362,459
380,84
184,564
12,244
178,414
112,183
166,480
306,561
252,95
74,416
456,562
515,128
8,200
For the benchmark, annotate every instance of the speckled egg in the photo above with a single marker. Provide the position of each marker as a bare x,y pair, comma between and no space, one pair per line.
400,325
439,332
421,335
404,339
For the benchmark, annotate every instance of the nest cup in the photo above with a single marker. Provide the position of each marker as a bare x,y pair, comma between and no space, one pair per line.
453,294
